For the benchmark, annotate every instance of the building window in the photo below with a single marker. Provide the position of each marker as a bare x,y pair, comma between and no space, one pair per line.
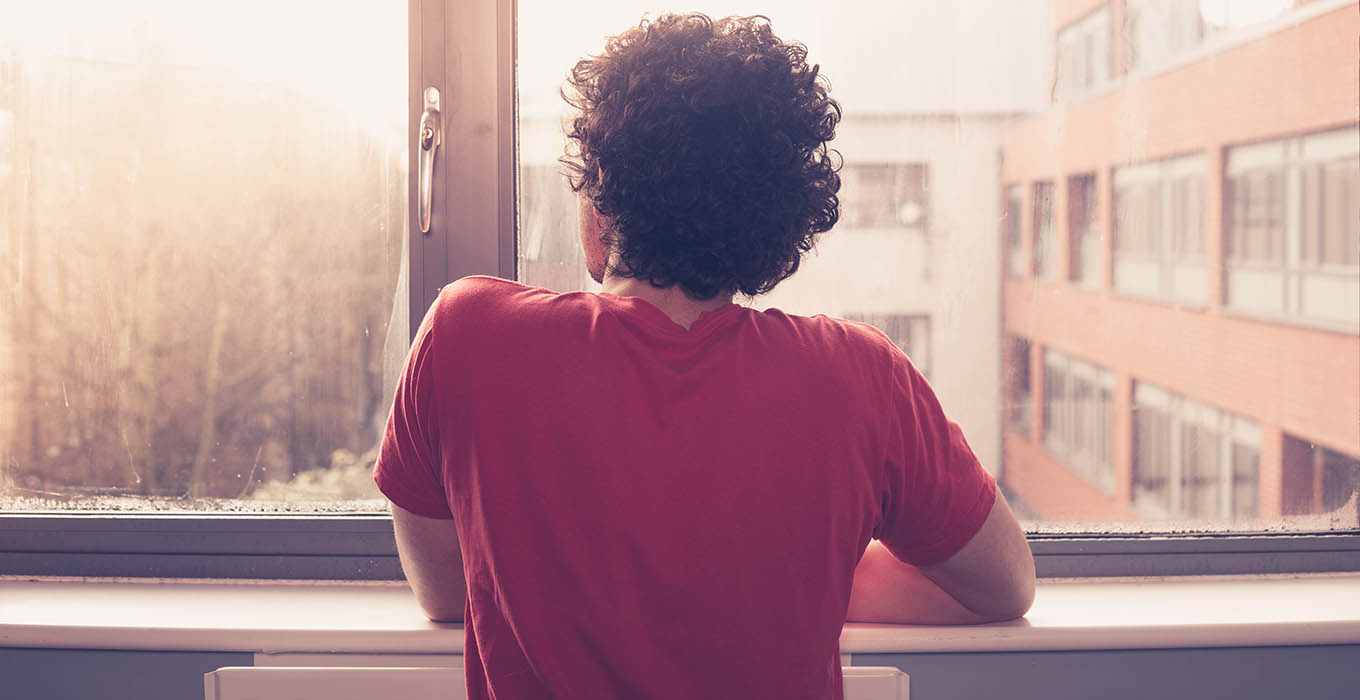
909,332
1331,213
1224,15
1018,385
1083,56
882,195
1014,223
1191,460
1078,415
1292,234
1083,229
1317,479
1159,231
1157,31
1044,264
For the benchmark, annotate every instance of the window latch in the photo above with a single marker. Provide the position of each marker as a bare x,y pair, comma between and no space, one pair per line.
431,135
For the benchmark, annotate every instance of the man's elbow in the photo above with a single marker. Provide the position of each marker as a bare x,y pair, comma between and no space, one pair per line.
1014,604
440,606
443,614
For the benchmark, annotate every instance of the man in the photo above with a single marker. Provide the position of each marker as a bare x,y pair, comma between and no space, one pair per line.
655,492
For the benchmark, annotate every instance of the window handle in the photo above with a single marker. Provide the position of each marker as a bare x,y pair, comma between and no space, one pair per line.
431,135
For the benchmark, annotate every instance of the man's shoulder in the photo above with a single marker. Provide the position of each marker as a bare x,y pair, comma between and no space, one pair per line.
495,309
837,332
479,289
479,296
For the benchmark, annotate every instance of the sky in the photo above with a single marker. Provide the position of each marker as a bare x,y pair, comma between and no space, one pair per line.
352,54
881,56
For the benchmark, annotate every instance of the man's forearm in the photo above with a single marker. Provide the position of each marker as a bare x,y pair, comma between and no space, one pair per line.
887,590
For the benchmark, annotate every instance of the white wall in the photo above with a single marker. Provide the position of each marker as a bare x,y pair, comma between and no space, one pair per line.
951,273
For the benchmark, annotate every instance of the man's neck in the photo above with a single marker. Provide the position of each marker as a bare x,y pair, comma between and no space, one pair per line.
673,301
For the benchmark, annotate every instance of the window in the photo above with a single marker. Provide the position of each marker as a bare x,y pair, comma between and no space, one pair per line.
1045,265
910,333
1083,56
1318,479
1014,226
1158,31
1331,198
1222,15
1191,461
1159,231
1018,391
203,286
1079,417
885,195
1294,254
1083,229
975,132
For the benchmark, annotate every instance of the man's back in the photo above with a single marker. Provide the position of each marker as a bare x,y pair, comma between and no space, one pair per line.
650,511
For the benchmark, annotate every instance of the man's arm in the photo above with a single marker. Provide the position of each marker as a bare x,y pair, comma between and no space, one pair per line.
433,563
990,579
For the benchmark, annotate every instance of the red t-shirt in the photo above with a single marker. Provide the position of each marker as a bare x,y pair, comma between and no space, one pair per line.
650,512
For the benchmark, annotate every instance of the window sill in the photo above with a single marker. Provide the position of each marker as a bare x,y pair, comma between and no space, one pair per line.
381,618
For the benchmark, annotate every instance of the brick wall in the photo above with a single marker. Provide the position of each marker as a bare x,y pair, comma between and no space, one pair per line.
1298,379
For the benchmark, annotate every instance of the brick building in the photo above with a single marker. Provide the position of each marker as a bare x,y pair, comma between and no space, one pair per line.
1181,266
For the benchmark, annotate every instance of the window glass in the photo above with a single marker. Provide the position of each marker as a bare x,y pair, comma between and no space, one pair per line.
1017,364
1078,420
1083,236
202,217
1083,56
1013,220
1161,156
1044,262
1292,233
1198,462
884,195
1158,230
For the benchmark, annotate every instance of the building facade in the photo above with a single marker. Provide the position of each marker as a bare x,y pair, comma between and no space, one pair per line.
1181,267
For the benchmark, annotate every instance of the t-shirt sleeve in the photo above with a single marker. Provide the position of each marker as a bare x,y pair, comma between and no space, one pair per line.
938,494
409,471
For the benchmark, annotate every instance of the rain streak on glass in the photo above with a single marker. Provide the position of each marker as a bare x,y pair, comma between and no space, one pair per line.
1121,236
202,226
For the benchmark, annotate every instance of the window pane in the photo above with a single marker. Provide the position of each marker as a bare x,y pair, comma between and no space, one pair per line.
1164,142
202,226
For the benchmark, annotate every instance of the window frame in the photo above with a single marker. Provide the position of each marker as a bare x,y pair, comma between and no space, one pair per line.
481,139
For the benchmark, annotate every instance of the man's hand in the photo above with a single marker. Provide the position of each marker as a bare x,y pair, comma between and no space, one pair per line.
433,563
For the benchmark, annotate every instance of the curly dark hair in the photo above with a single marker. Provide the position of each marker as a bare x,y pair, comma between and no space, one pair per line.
703,144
